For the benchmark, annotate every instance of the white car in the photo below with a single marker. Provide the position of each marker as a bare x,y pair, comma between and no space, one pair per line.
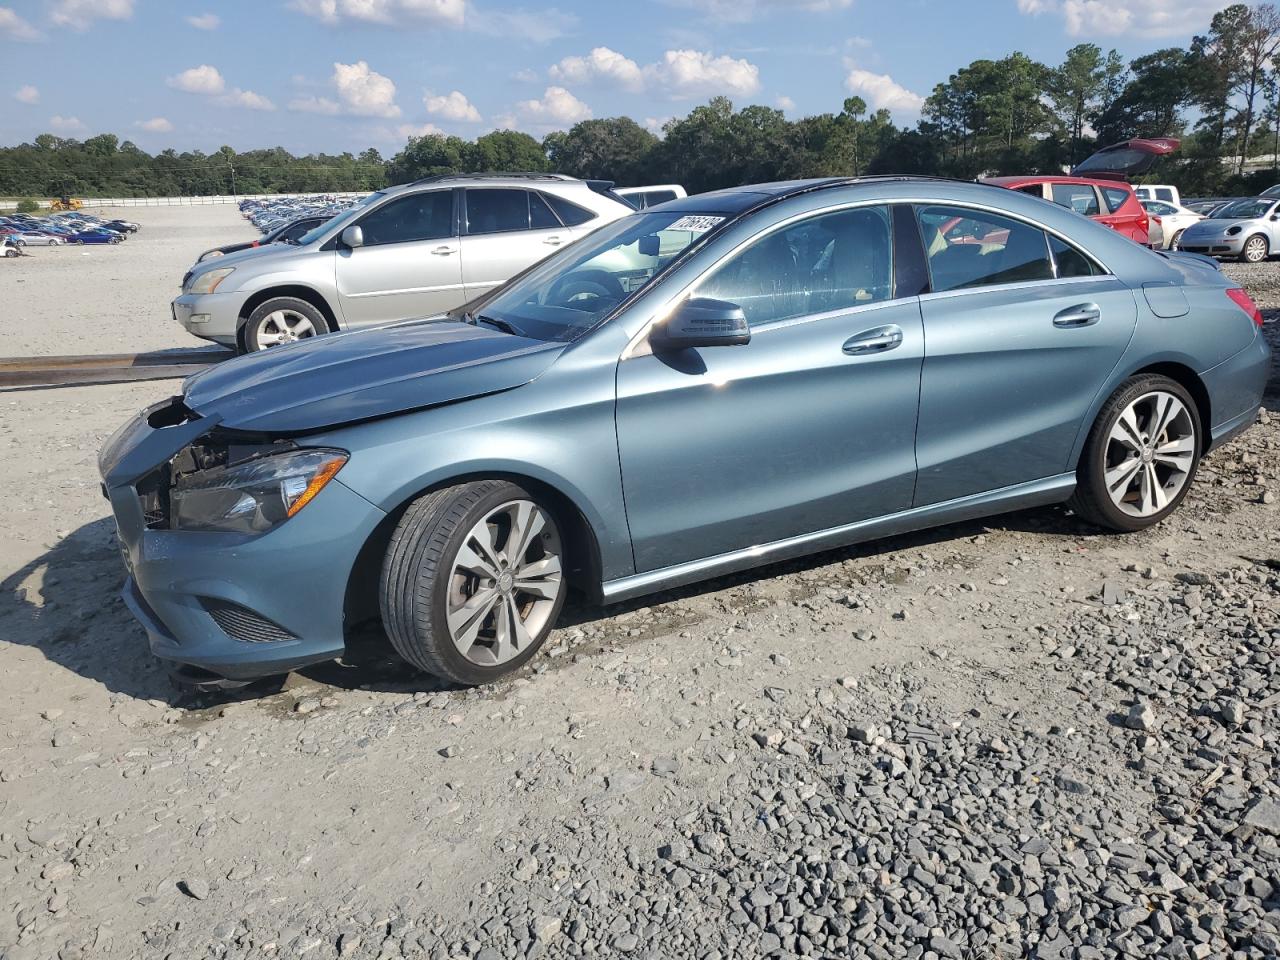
1158,191
642,198
8,248
1172,219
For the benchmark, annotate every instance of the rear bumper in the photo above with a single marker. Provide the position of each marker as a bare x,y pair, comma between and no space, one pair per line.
1235,389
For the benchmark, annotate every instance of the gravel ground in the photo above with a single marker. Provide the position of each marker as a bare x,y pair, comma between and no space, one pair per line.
1017,738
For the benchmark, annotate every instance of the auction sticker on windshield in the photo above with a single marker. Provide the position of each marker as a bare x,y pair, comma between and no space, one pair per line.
699,224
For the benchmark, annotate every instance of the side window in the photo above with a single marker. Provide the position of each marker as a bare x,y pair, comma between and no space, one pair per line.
541,217
497,211
416,216
1079,197
1115,197
830,262
971,248
1070,261
570,214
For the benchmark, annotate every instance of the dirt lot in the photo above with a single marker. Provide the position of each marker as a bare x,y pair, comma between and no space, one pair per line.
1012,738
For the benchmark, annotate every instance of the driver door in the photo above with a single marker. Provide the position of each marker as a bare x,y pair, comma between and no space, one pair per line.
409,265
806,427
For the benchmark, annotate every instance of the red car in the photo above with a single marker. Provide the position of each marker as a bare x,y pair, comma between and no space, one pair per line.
1098,188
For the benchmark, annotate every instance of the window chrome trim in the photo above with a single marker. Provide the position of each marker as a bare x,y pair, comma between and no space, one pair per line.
1020,285
663,310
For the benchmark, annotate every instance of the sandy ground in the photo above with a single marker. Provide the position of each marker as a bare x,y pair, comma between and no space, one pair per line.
111,299
133,823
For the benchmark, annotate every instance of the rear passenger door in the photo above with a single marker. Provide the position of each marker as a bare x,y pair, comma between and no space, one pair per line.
1021,331
505,230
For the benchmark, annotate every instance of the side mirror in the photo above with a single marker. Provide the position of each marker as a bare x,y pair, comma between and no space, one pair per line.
353,237
702,322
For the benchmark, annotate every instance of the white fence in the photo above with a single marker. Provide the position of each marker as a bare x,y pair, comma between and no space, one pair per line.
184,201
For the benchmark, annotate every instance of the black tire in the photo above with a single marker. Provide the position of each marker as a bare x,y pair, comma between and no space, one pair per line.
1090,500
1254,256
1173,243
414,586
250,330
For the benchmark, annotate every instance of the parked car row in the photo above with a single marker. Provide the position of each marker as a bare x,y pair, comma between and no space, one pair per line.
269,215
72,227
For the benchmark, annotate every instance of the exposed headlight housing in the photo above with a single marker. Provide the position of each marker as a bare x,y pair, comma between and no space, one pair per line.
255,495
208,281
1232,231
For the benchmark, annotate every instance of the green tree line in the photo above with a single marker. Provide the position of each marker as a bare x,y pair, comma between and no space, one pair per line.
1221,95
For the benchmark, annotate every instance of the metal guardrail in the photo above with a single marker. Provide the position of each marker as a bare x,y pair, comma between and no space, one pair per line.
77,371
191,201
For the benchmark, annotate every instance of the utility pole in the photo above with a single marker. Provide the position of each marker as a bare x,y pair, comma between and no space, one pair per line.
232,165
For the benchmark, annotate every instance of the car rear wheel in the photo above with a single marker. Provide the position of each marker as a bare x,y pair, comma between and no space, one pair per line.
1141,455
282,320
473,581
1256,249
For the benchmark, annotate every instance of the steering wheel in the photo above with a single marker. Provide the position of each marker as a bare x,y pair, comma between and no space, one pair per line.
580,289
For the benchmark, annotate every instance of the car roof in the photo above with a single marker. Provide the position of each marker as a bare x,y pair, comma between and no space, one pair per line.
734,200
1013,182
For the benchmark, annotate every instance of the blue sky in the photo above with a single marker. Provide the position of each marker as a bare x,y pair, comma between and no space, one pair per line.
339,75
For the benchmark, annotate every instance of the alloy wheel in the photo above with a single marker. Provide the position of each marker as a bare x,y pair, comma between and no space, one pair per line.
1255,249
1151,451
504,585
284,326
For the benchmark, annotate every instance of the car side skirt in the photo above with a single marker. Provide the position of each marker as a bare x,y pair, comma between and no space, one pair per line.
1021,496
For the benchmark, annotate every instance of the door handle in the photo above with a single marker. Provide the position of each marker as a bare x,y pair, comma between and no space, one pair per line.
553,241
1081,315
443,251
875,340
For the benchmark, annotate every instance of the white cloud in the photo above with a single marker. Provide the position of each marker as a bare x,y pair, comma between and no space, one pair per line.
655,125
1083,18
695,73
247,99
451,106
315,105
203,79
409,130
155,125
744,11
27,94
784,103
529,26
66,124
358,91
79,14
205,21
16,28
389,12
601,64
364,92
679,74
558,107
882,92
526,75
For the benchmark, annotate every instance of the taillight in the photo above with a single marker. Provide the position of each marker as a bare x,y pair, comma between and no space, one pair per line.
1245,303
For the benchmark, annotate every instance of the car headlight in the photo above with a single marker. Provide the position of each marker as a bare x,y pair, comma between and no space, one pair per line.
208,282
1232,231
255,495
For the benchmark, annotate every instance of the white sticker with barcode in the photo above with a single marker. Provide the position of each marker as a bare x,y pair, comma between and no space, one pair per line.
696,224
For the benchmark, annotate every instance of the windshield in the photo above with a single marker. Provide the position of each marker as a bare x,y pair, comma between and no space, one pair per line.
341,220
1250,209
570,292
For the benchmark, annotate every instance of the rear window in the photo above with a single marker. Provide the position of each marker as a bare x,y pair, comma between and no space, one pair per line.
1115,197
570,213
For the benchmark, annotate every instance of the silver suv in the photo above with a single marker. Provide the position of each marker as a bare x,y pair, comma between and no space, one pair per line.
408,251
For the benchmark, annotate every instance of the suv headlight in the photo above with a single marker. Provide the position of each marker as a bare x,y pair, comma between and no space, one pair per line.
208,282
255,495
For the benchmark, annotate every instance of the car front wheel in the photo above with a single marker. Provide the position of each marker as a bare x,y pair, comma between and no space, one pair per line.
282,320
473,581
1141,455
1256,249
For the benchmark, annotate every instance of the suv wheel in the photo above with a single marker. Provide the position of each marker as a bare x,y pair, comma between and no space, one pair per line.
472,582
281,320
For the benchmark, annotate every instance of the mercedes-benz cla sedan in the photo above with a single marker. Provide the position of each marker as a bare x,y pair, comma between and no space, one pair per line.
721,382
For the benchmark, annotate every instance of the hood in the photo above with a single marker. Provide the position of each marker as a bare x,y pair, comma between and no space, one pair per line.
344,377
1120,161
